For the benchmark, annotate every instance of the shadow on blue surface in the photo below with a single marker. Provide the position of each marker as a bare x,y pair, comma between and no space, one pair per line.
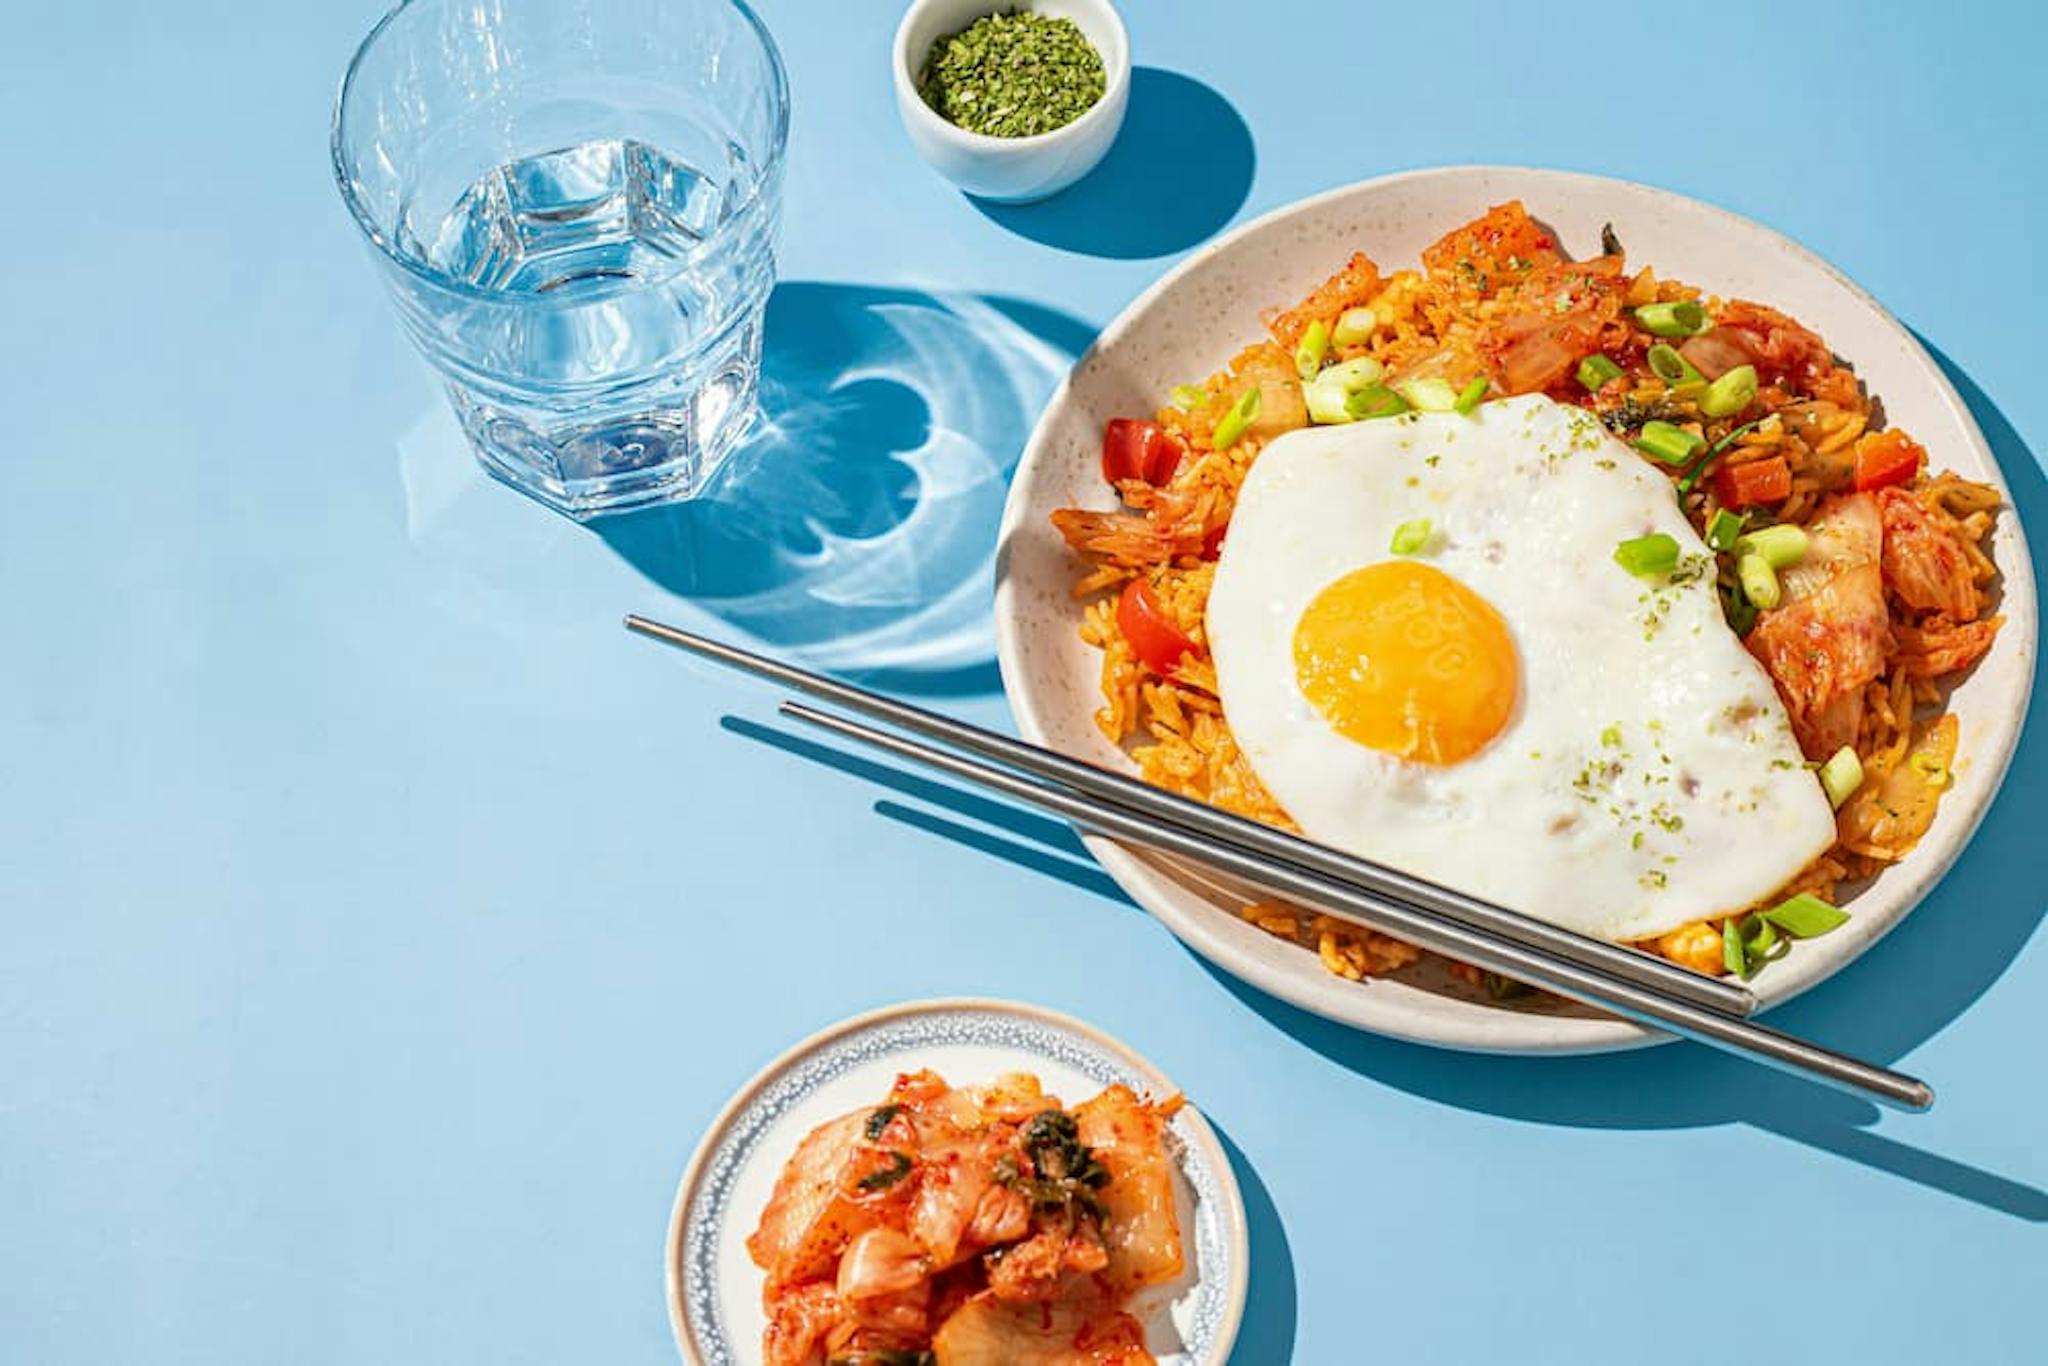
1178,171
855,531
1271,1302
1899,994
1902,992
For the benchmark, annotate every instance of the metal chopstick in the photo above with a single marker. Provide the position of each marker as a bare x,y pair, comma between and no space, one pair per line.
1132,794
1743,1038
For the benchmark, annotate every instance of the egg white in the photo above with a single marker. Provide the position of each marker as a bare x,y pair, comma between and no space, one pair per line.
1648,775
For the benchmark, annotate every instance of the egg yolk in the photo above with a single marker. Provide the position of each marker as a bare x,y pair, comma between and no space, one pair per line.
1404,659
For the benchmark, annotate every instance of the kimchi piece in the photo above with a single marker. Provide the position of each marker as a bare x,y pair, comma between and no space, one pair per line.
957,1226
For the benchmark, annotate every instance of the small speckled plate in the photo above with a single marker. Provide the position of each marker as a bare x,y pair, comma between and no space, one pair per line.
1193,320
714,1288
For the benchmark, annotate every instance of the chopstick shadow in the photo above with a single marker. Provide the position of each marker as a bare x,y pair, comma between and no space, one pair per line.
1677,1085
1903,991
1040,844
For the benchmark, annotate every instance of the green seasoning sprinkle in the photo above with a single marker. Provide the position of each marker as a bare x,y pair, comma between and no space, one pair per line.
1012,75
882,1179
1595,370
1470,396
1668,444
1841,775
1236,420
878,1122
1671,367
1731,393
1681,319
1308,357
1188,397
1724,529
1655,553
1410,537
1354,326
1805,916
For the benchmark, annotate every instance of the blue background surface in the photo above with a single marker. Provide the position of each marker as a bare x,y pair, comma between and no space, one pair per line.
383,924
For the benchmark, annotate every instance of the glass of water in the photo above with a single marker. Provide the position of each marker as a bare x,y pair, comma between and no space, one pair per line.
574,204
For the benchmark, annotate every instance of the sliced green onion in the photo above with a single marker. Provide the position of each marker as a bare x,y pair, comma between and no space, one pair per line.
1805,916
1738,611
1731,393
1780,546
1430,395
1668,444
1236,420
1410,537
1758,938
1759,581
1325,398
1353,375
1841,775
1595,370
1655,553
1732,956
1724,528
1706,462
882,1179
1187,397
1470,396
1683,318
1354,326
1308,357
1671,367
1503,988
1375,402
1929,767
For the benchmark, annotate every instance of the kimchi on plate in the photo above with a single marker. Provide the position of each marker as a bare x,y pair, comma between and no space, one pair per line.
970,1226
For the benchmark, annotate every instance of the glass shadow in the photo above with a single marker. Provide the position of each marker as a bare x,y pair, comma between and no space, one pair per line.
856,530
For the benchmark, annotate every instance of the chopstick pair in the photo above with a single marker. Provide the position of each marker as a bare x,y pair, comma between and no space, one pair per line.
1628,983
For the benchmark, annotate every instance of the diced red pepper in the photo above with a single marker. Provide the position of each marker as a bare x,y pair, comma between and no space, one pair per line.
1135,449
1159,644
1887,458
1753,482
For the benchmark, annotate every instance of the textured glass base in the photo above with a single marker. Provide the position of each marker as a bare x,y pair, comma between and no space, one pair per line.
626,461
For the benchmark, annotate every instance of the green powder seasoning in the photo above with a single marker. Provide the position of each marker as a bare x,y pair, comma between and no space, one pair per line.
1013,75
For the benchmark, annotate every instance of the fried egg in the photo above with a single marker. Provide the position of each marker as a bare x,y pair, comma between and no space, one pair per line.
1505,710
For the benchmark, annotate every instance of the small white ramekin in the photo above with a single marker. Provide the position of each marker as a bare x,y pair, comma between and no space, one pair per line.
1012,170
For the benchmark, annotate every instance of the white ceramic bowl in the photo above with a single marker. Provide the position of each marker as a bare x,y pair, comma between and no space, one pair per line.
1012,170
714,1289
1192,321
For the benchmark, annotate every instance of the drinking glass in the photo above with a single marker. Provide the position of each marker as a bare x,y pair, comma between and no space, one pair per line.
574,205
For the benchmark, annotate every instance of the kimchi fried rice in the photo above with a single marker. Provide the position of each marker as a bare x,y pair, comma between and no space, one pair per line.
1497,300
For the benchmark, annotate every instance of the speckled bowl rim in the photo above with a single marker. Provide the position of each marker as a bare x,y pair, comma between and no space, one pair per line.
1169,891
1189,1123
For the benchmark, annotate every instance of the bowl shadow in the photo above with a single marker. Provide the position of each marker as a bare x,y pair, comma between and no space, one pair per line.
1272,1301
1179,170
854,530
1903,991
